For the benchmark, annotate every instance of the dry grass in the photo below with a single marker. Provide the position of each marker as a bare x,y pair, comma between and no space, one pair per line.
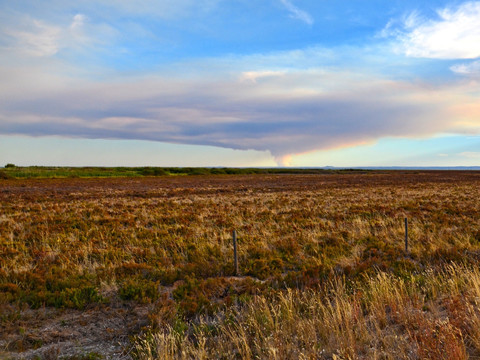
426,316
326,273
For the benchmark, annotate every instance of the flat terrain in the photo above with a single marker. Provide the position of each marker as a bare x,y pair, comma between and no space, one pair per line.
142,266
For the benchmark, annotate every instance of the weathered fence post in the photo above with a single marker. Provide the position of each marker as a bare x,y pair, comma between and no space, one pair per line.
235,255
406,235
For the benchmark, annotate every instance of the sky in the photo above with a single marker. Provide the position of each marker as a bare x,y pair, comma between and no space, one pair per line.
240,83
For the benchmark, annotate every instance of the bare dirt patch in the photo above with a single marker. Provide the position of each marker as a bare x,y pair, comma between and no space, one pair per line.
99,332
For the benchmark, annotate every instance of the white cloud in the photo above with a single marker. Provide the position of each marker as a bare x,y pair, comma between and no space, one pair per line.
78,21
297,13
472,68
253,76
36,38
33,38
455,34
470,154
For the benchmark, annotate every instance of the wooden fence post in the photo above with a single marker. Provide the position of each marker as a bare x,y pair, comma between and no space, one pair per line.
235,254
406,235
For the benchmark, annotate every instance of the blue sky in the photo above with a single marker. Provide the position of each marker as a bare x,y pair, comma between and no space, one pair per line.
240,83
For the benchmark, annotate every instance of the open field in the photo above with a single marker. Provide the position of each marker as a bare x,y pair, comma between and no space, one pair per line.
142,266
10,171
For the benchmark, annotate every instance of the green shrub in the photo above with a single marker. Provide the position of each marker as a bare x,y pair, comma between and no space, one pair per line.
4,175
141,290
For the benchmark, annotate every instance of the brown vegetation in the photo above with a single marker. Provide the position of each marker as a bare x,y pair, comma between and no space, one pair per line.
324,272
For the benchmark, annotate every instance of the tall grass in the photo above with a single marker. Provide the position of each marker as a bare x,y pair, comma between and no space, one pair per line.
425,316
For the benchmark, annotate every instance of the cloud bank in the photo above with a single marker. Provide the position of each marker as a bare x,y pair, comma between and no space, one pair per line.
282,112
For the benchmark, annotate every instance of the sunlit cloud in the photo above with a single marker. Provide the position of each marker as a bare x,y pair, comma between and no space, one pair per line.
467,112
454,34
253,76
